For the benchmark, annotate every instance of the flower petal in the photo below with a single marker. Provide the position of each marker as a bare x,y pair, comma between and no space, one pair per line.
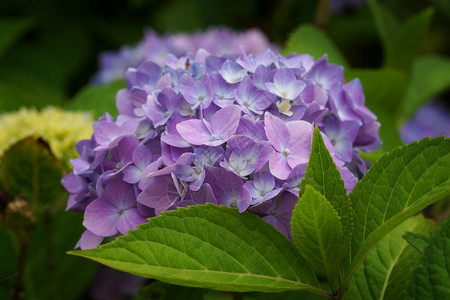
276,131
194,131
225,122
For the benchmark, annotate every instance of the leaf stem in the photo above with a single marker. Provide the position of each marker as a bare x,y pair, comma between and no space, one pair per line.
322,12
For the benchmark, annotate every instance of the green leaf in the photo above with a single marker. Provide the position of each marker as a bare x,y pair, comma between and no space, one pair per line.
399,185
29,169
97,99
386,23
431,279
406,44
212,247
383,88
430,76
308,39
317,232
322,174
416,240
385,271
10,31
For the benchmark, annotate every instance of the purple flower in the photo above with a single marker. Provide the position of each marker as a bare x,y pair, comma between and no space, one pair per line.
291,141
341,135
285,85
251,99
197,93
262,188
108,134
431,120
348,105
231,72
202,157
245,156
88,240
251,62
89,159
142,157
278,212
115,212
123,153
228,188
160,111
161,193
223,92
223,125
327,76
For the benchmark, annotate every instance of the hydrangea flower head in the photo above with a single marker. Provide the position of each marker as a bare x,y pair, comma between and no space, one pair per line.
229,130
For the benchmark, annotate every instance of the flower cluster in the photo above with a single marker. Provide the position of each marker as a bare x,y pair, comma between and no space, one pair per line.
220,41
233,131
72,126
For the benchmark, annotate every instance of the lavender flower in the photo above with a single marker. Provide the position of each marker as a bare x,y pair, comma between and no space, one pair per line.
207,128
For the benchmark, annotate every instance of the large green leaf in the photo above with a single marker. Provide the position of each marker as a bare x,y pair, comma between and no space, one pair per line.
322,174
212,247
385,271
431,279
307,39
317,232
399,185
430,76
29,169
97,99
10,32
383,88
406,44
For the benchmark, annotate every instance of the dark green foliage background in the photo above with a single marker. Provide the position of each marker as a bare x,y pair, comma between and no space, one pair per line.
49,51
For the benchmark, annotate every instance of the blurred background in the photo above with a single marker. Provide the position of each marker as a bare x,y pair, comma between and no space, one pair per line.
49,54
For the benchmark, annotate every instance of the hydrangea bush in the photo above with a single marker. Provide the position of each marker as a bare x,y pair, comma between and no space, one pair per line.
233,130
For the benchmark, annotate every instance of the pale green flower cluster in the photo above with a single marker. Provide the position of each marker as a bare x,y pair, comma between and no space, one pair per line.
60,128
